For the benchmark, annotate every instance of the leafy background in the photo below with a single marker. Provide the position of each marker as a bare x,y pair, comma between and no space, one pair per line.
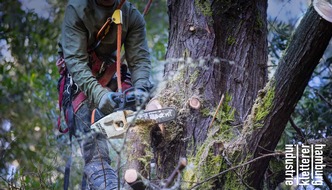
33,153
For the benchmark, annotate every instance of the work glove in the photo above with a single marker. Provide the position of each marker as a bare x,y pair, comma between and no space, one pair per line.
109,102
141,96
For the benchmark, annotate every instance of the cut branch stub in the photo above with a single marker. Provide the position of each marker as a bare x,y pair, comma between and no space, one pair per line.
131,176
135,180
324,9
194,102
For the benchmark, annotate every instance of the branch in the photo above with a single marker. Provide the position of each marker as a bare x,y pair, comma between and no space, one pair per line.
297,129
136,180
182,164
324,9
238,166
323,98
147,7
10,184
215,114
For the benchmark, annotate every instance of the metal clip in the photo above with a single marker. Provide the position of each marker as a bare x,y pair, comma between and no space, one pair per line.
102,68
71,81
72,86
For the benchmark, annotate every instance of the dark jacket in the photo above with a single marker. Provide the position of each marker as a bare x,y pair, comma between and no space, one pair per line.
82,21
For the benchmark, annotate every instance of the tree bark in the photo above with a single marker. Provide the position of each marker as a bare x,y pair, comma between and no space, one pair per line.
138,147
223,48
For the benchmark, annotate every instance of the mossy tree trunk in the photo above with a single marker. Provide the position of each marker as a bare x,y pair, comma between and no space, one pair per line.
221,48
230,36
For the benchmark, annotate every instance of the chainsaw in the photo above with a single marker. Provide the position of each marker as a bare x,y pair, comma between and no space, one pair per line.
115,125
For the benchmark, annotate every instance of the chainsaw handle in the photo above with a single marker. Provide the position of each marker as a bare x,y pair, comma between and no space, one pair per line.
129,97
118,99
125,100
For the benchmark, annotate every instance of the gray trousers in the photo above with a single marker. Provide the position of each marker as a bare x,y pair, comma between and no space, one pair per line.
97,170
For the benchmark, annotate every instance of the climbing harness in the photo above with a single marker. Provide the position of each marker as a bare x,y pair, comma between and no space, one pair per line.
103,72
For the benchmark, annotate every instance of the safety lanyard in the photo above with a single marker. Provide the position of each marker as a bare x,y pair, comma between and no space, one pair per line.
116,19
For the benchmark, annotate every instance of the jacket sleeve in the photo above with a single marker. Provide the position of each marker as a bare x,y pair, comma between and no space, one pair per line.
137,52
74,43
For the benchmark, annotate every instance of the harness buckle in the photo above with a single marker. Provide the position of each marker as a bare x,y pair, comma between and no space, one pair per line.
117,16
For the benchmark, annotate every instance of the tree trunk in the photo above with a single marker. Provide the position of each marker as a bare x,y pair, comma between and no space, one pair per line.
223,47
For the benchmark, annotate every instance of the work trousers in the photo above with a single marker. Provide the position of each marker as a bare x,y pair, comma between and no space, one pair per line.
97,170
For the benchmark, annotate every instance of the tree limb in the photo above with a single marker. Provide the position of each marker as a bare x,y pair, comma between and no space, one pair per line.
297,129
182,164
323,98
290,79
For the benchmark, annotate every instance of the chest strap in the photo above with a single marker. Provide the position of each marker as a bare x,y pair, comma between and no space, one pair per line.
98,67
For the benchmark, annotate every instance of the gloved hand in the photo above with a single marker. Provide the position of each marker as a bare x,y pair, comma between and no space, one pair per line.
141,96
109,102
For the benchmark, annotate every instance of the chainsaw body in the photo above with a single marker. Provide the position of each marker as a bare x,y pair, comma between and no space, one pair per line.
116,124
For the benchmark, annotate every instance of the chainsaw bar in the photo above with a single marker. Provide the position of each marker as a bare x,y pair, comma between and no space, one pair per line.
159,115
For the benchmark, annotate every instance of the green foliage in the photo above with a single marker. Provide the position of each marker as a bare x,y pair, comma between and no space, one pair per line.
28,97
225,117
278,39
261,107
226,112
203,164
157,33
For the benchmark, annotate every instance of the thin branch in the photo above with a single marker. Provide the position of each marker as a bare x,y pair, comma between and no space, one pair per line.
323,98
270,151
238,166
147,7
182,164
9,183
297,129
215,114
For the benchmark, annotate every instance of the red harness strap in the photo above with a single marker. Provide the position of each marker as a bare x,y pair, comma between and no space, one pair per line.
97,68
103,80
78,101
60,64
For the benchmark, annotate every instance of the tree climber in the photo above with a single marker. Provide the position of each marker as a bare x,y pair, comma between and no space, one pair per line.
87,65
